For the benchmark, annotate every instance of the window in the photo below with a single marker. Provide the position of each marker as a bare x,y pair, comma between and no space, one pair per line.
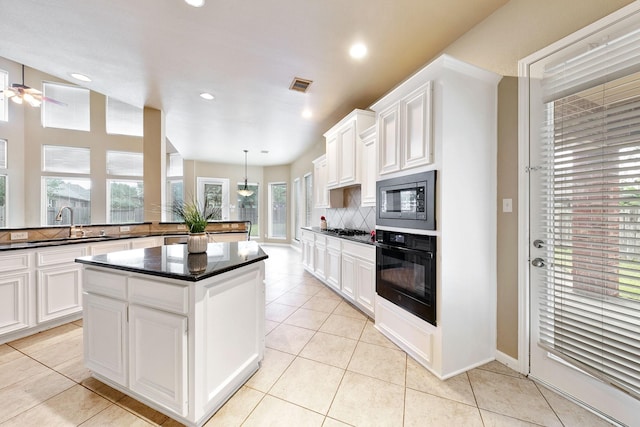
248,207
4,106
124,119
214,192
298,208
124,163
125,201
125,197
308,199
72,188
278,211
175,186
72,192
589,205
62,159
72,111
3,183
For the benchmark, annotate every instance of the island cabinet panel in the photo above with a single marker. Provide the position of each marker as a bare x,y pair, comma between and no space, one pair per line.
105,337
14,301
158,357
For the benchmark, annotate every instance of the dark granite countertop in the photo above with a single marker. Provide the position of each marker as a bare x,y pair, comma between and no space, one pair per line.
173,261
365,238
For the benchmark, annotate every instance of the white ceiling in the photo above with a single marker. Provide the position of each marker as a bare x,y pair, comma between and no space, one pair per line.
164,53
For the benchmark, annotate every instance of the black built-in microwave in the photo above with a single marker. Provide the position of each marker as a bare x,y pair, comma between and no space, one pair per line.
407,201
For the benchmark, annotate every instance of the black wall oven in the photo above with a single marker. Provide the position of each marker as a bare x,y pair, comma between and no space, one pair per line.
407,201
406,271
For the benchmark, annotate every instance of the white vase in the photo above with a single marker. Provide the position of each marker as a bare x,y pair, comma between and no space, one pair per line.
197,243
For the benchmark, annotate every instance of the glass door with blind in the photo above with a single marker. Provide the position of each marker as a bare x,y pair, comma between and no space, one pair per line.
584,220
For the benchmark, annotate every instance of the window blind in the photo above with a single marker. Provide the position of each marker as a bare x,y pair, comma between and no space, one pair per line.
124,119
3,153
125,163
73,110
63,159
590,298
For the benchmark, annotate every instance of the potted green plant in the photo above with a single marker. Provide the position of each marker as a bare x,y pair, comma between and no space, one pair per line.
195,218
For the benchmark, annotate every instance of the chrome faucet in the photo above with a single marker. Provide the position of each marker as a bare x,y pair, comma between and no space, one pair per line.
59,218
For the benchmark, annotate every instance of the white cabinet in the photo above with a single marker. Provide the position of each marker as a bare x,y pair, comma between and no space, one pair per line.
368,167
105,337
158,356
358,275
405,131
59,282
345,266
16,289
444,118
320,252
343,149
111,246
308,248
146,242
333,255
322,197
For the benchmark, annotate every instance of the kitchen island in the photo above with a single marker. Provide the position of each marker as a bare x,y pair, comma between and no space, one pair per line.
179,332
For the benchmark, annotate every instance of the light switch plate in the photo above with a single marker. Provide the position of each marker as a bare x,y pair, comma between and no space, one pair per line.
507,205
21,235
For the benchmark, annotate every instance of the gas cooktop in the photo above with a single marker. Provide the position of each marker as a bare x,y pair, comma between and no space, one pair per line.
347,232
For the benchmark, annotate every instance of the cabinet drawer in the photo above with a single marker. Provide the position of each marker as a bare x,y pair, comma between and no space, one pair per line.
157,294
60,255
334,243
360,250
107,284
15,261
105,248
321,240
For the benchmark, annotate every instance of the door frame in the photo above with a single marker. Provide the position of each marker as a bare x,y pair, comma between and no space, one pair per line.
524,166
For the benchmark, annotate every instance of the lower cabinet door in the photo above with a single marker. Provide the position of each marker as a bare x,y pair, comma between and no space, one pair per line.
105,337
158,357
14,302
366,286
348,276
333,269
59,291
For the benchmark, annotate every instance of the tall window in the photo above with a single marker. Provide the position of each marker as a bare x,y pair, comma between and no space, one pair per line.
277,210
308,199
248,207
298,208
214,192
125,194
71,111
3,183
175,186
66,182
4,82
124,119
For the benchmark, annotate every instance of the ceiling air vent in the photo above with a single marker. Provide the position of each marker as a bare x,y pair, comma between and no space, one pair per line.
300,85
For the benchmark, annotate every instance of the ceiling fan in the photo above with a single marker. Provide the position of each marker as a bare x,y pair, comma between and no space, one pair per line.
20,93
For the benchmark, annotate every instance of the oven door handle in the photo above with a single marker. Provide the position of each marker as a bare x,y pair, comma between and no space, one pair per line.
427,254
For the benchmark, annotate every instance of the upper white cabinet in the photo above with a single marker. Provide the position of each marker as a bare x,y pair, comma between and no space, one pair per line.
343,147
368,167
405,130
322,197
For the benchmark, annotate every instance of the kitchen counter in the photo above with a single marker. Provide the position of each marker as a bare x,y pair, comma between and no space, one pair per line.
363,238
178,332
173,261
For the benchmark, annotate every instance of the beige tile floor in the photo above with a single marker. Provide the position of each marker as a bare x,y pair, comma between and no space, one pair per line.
325,365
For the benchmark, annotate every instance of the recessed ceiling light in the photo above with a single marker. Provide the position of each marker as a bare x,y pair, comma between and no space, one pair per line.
306,113
358,51
195,3
80,77
207,96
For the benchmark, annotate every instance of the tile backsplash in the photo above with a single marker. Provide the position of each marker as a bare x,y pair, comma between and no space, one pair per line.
352,215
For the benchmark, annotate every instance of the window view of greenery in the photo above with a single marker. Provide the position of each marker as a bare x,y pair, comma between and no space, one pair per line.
125,201
278,217
213,199
72,192
175,190
248,208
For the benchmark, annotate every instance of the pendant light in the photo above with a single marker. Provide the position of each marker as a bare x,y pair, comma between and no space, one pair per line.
245,192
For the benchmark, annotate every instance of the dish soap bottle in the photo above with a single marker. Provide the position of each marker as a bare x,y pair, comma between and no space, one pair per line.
323,223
